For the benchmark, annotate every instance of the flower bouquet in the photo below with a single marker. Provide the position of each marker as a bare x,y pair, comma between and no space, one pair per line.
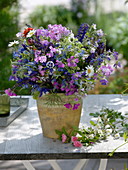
53,60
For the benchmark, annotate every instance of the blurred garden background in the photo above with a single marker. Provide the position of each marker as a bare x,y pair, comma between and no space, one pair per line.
109,15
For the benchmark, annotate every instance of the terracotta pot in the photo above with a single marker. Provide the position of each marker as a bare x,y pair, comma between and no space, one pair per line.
54,115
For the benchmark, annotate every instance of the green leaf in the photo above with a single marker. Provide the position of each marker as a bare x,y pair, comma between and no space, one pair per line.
125,136
92,123
64,131
94,114
58,132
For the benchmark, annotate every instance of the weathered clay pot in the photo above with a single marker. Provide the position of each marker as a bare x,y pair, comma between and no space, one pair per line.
54,115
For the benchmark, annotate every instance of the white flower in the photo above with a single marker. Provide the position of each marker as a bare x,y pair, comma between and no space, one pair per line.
30,33
13,43
85,56
90,71
29,72
91,136
77,55
19,34
117,135
109,131
94,26
50,64
98,126
107,126
71,37
99,120
59,51
92,50
100,33
79,14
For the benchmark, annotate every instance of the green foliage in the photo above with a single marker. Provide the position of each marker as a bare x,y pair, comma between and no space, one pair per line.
59,14
8,29
119,35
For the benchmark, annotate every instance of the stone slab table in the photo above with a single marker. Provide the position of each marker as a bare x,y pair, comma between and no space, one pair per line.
23,138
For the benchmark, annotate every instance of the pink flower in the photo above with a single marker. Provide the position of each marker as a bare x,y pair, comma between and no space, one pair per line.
43,59
64,137
74,138
77,144
9,92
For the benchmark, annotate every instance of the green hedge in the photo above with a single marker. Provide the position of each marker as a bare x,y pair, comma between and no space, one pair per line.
8,29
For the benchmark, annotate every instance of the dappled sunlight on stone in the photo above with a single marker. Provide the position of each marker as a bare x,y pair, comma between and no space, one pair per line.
33,108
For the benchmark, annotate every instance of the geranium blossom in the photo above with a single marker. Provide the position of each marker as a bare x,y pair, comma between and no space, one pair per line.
74,138
77,144
64,137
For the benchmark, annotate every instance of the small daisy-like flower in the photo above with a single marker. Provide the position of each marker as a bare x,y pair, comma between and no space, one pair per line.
90,71
31,33
91,136
13,43
50,64
117,135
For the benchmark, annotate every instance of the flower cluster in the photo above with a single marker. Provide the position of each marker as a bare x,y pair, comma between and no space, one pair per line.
53,60
107,122
74,140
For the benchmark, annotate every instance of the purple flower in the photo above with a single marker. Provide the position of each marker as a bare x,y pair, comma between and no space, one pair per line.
52,50
106,70
44,42
56,32
37,53
68,105
42,32
117,64
115,54
60,64
76,75
72,61
104,82
76,106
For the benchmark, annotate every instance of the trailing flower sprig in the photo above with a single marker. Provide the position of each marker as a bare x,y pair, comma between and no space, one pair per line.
108,122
